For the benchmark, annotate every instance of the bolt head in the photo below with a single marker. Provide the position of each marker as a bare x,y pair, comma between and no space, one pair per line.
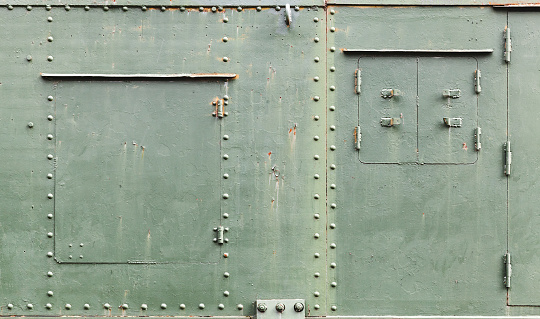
280,307
298,307
262,307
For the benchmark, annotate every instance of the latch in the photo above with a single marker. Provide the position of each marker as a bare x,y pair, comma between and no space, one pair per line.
477,142
390,93
508,157
453,121
357,80
280,309
508,270
507,44
390,121
477,76
452,93
220,237
220,108
357,137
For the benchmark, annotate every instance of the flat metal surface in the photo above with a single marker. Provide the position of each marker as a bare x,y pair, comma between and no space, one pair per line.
482,51
140,76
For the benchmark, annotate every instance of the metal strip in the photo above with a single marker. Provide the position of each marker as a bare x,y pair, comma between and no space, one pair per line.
482,51
139,76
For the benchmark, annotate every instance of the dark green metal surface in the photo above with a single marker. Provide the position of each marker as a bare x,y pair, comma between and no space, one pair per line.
132,134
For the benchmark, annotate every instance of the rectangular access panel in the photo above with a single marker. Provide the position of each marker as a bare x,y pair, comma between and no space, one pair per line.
137,171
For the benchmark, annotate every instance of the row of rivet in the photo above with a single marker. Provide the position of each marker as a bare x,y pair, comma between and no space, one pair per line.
225,215
145,8
123,306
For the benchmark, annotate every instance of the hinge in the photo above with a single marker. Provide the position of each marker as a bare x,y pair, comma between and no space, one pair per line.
507,44
508,157
220,107
477,76
477,141
357,137
220,237
358,80
508,270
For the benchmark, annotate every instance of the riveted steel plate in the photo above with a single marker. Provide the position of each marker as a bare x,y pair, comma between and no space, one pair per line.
137,171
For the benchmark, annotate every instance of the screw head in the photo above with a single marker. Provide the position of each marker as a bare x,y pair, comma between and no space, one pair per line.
182,9
333,147
298,307
278,8
262,307
280,307
225,196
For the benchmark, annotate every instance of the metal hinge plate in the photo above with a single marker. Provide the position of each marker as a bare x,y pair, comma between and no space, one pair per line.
280,309
507,45
508,157
220,235
508,270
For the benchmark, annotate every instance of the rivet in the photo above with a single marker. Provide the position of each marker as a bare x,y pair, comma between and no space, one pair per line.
225,19
226,293
316,117
225,137
334,308
226,274
81,256
332,49
29,8
163,306
48,306
332,29
333,225
240,306
105,8
50,293
50,274
225,156
49,136
239,9
214,9
296,8
50,58
70,245
81,244
259,9
144,8
316,98
86,306
182,9
28,58
67,7
316,19
50,196
225,255
317,216
316,176
225,175
316,275
316,138
182,306
332,88
333,284
70,257
226,97
163,9
316,306
125,306
316,235
107,306
333,205
87,8
221,306
225,59
316,196
333,245
225,215
316,294
333,166
10,7
30,306
317,255
50,117
332,108
50,39
10,306
49,234
50,98
201,306
225,39
50,19
49,216
316,79
333,186
225,196
68,306
201,9
332,11
278,8
30,124
332,127
333,265
333,147
316,59
316,39
125,9
316,157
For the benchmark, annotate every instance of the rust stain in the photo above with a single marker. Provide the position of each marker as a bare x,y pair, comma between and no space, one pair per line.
465,146
269,153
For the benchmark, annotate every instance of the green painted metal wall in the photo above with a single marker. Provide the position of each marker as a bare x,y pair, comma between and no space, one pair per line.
117,168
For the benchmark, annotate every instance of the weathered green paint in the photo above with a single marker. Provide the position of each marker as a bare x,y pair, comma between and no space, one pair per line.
414,224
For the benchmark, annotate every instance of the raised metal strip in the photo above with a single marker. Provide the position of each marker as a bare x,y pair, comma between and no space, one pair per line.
140,76
483,51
